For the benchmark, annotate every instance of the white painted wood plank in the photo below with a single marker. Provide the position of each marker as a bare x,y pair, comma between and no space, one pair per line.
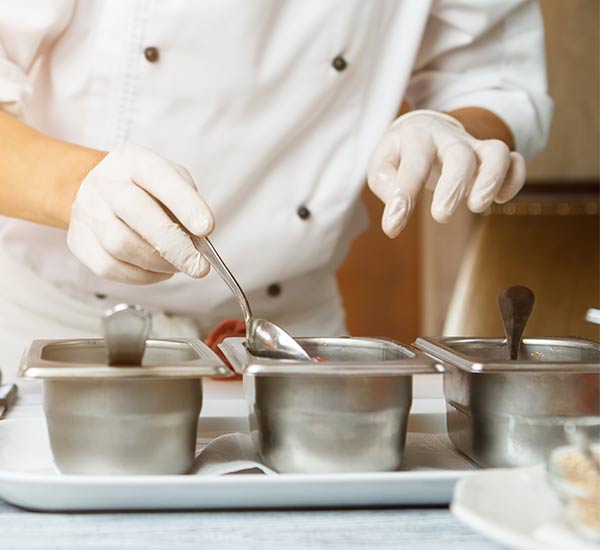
431,528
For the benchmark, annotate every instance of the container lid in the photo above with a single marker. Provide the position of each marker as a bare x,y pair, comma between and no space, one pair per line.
87,359
480,355
342,356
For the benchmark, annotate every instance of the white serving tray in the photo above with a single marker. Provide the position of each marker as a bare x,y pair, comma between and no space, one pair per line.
28,478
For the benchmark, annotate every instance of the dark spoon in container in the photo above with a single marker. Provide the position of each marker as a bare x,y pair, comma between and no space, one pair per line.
515,304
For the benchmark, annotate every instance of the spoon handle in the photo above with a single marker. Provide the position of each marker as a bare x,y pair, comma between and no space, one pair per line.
515,304
126,330
206,248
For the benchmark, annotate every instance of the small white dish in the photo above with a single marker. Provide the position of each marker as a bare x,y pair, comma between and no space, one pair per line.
515,507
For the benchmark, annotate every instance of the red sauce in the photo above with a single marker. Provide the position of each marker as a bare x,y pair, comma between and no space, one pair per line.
229,329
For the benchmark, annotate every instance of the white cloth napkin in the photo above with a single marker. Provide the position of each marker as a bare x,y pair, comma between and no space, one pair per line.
235,453
229,454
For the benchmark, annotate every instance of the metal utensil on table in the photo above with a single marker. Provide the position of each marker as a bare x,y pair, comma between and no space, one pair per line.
515,304
579,439
8,394
126,330
593,316
263,338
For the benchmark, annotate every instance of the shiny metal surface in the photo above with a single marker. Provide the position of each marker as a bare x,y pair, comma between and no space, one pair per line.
343,356
125,329
106,420
538,355
122,427
515,304
348,414
494,405
8,395
86,358
265,338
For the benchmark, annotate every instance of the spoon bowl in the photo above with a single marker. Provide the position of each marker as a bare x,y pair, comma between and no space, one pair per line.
515,304
266,339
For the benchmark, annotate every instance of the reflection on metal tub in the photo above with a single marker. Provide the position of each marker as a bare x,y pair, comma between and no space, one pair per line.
348,414
494,405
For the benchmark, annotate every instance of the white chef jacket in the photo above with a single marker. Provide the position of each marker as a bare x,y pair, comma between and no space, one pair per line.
272,105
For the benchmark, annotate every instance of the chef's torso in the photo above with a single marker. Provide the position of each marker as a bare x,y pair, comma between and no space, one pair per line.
274,107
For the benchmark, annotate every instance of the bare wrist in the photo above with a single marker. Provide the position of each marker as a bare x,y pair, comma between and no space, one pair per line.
483,124
74,165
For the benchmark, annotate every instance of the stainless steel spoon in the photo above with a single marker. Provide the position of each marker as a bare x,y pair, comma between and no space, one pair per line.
515,304
263,338
125,330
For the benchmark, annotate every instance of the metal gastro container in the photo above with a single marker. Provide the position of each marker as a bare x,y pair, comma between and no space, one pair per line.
122,420
498,410
347,413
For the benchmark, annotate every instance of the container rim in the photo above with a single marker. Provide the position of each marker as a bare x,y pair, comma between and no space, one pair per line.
205,362
243,362
439,348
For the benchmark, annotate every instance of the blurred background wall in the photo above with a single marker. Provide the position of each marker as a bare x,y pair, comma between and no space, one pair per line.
548,239
572,49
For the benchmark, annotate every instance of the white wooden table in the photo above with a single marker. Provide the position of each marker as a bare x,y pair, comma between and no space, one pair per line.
299,529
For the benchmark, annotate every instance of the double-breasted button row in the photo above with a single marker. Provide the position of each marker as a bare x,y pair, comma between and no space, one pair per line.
152,54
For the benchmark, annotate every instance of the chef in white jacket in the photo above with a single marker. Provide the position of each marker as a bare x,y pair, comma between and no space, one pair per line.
256,122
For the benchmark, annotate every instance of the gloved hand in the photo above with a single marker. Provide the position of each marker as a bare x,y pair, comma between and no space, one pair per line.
428,148
119,229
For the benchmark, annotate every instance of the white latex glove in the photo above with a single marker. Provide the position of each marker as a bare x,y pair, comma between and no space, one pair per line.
428,148
120,231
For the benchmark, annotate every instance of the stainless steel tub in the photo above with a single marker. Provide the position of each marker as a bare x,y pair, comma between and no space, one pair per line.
122,420
348,414
496,408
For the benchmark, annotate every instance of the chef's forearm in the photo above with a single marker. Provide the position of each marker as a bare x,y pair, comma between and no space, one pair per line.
484,124
39,175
